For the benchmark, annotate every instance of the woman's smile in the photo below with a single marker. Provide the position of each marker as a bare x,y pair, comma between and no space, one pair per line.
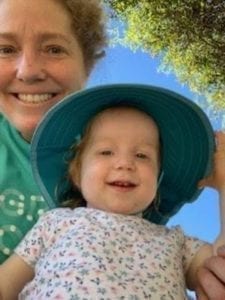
39,64
34,98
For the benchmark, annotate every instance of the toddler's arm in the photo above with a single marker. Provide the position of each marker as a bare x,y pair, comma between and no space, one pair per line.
14,274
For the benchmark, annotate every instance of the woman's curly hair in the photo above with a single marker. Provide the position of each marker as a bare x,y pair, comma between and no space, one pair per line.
88,24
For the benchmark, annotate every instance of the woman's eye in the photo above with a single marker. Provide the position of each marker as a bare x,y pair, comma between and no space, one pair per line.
55,50
7,50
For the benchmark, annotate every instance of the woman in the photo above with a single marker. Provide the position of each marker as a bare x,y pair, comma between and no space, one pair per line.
212,277
47,50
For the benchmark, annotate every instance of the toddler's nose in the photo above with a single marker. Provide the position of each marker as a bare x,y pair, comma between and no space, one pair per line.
125,162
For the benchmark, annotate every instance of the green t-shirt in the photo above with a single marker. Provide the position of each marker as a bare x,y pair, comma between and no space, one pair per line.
20,201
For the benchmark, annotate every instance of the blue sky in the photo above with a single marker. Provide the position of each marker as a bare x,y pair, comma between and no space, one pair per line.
121,65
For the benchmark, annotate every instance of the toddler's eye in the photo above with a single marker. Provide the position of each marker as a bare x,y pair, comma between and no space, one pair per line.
106,152
141,156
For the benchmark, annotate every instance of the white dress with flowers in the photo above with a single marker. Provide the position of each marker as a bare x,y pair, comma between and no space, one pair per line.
90,254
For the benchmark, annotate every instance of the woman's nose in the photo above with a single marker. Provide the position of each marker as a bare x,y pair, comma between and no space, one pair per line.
30,68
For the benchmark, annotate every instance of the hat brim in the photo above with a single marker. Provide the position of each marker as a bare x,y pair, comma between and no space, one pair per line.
186,134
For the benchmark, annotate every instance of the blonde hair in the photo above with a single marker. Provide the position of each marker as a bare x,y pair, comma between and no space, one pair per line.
72,196
88,24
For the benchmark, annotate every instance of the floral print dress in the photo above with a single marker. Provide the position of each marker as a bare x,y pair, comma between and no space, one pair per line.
85,254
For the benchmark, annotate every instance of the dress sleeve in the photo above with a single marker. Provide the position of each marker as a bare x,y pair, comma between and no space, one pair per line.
191,246
36,240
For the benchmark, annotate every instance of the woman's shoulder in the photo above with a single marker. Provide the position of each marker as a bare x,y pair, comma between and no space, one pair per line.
2,120
5,127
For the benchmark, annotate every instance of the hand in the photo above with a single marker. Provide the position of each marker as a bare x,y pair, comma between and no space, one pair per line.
217,178
211,278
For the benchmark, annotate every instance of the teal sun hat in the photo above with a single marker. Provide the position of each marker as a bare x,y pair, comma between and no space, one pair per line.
186,135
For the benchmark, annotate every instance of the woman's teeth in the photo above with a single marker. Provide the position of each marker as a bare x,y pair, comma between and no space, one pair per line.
34,98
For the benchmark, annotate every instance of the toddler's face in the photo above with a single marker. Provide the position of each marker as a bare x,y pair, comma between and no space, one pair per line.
120,163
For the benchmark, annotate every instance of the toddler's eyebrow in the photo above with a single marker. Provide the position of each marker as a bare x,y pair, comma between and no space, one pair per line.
148,143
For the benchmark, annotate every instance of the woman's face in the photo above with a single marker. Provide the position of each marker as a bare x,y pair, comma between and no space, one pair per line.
40,60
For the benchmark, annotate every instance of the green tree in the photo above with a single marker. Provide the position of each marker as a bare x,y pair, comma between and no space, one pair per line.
189,36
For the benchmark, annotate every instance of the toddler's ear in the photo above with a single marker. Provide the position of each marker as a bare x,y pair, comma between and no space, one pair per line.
74,173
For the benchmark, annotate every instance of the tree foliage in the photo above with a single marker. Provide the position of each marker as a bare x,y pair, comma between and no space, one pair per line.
189,35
